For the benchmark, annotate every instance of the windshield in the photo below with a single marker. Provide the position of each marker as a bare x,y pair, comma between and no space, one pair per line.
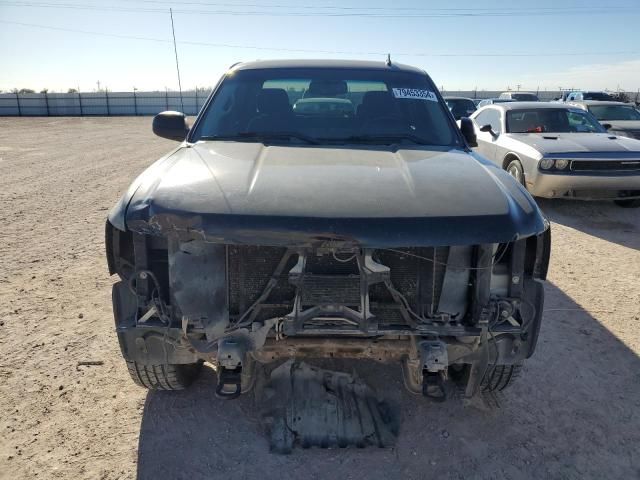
327,106
461,107
552,120
614,112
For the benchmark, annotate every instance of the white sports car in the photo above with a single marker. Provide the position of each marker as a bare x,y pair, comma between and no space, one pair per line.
559,151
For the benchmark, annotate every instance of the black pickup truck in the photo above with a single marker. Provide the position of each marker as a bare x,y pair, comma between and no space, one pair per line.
326,209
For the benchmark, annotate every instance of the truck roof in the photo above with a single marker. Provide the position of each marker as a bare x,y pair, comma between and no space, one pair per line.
340,64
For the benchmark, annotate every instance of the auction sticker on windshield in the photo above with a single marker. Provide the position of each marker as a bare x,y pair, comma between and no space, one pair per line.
415,94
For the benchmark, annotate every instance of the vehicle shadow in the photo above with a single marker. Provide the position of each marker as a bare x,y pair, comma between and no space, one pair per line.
600,219
575,413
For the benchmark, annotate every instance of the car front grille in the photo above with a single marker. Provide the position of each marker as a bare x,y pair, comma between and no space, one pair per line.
605,165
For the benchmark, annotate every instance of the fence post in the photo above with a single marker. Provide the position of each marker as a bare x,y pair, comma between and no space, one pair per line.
19,107
197,107
166,97
135,103
46,102
106,94
80,102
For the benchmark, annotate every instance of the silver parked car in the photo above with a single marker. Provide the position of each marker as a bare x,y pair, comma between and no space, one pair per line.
622,119
491,101
558,151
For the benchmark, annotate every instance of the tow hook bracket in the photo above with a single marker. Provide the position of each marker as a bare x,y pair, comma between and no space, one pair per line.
433,386
434,361
231,353
229,383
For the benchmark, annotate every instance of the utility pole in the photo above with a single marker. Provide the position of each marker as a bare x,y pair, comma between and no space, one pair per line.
175,50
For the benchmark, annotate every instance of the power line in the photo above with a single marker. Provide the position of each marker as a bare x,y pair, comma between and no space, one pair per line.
302,50
360,14
390,9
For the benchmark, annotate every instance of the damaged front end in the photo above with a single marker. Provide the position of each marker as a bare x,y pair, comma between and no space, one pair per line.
447,313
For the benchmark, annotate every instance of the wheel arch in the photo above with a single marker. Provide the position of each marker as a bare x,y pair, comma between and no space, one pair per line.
508,158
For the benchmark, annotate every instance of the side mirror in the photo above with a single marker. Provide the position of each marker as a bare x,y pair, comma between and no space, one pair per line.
607,126
468,132
171,125
487,129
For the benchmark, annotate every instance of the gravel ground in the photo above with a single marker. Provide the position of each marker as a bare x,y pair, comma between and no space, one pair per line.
574,414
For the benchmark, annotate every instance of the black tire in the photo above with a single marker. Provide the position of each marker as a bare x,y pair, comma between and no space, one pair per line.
499,377
514,168
164,376
631,203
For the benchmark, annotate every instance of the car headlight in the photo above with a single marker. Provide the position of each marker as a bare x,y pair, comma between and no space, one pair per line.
546,163
561,164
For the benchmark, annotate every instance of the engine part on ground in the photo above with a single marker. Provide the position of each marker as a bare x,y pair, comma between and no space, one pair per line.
312,407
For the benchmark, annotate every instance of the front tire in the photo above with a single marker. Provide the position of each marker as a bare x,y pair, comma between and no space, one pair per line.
164,376
631,203
514,168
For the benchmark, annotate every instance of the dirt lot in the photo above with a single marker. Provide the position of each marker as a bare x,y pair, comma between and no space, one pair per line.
575,414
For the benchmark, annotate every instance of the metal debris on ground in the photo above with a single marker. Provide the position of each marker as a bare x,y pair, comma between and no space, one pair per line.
309,406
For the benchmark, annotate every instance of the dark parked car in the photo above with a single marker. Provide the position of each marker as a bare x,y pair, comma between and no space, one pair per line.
460,106
269,234
622,119
579,96
520,96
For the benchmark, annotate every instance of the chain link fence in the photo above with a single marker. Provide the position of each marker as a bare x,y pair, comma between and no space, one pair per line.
100,103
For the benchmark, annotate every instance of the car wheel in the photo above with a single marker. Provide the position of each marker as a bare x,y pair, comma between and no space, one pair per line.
631,203
164,376
514,168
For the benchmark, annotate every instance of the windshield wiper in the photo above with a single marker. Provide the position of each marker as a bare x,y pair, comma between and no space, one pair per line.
391,138
245,136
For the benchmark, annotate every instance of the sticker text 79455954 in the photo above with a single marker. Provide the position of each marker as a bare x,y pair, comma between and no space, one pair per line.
414,93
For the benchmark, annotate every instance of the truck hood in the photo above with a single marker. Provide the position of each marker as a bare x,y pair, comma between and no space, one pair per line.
551,143
373,196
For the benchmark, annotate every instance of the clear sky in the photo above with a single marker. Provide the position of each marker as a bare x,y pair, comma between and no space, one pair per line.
466,44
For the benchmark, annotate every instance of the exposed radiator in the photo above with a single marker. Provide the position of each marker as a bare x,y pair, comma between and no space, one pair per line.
329,280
